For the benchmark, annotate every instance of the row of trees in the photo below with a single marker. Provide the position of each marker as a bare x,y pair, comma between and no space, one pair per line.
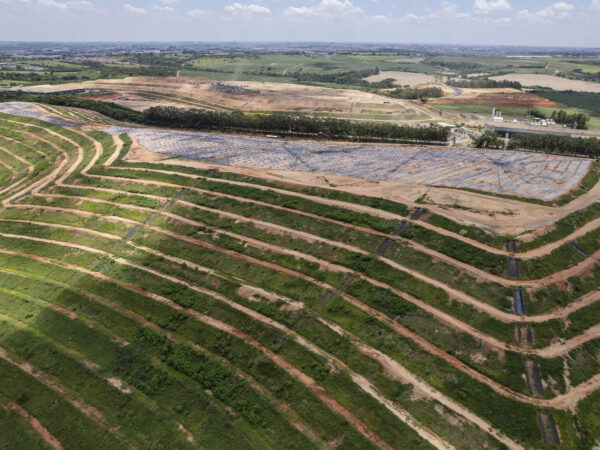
413,94
575,120
276,123
351,78
550,143
483,83
489,139
108,109
547,143
291,124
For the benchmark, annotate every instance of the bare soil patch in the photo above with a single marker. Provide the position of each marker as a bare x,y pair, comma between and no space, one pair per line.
557,83
252,96
402,78
501,99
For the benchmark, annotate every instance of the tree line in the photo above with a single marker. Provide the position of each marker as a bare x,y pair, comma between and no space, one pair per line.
484,83
575,120
108,109
546,143
292,124
550,143
414,94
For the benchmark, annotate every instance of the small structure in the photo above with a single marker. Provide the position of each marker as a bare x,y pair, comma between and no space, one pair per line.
497,115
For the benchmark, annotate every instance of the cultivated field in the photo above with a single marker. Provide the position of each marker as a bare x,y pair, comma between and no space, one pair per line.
556,83
159,305
403,78
495,99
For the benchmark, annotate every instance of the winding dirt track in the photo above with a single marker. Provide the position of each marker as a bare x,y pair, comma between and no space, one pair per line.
367,350
284,408
421,431
566,401
424,344
478,273
290,369
40,429
333,404
551,351
555,349
540,251
557,313
89,411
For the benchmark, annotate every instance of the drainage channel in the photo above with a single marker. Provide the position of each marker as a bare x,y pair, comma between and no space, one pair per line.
513,263
519,304
549,430
387,242
416,215
303,316
578,249
534,378
524,335
153,214
533,375
513,267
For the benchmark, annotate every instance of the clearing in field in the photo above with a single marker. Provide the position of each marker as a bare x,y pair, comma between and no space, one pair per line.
402,78
513,98
539,176
556,83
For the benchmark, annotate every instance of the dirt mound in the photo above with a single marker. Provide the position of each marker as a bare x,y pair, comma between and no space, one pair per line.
505,99
101,98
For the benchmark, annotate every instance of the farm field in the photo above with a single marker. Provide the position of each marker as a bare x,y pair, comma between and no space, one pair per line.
550,81
159,304
403,78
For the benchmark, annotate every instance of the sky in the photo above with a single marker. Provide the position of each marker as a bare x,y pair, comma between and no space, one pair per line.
472,22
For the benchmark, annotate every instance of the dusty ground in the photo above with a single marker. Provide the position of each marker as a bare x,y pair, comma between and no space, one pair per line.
558,83
139,102
495,214
259,96
403,78
472,97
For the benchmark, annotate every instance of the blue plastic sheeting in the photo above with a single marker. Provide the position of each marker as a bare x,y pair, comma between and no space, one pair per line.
28,110
522,174
519,303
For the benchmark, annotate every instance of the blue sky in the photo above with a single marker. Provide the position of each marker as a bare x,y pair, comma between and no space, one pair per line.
534,22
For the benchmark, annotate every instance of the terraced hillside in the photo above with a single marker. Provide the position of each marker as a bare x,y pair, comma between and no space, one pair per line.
152,305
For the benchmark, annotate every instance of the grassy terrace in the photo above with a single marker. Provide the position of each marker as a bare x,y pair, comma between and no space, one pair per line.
186,303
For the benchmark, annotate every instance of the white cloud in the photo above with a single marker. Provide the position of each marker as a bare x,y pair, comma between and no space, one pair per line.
562,6
169,2
444,12
53,4
325,8
134,10
556,10
237,8
595,5
166,9
379,18
484,7
60,5
196,12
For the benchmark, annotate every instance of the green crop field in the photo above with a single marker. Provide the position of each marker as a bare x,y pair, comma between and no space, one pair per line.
155,305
